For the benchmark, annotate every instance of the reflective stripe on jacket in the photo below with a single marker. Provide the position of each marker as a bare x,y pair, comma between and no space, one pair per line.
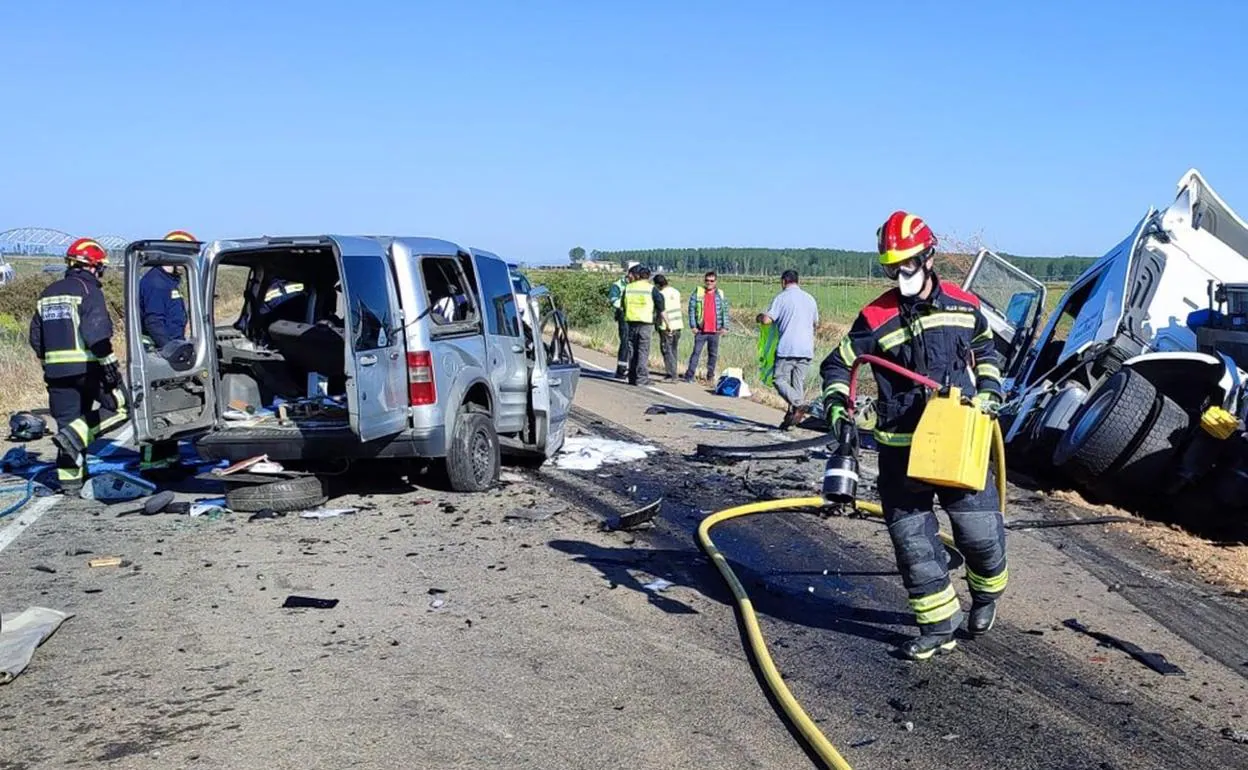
673,315
945,337
639,302
697,301
70,329
616,294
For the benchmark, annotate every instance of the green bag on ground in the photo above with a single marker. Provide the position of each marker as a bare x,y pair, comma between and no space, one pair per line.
768,338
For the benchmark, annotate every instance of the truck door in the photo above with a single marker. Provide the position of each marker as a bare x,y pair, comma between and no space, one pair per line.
377,397
1013,303
508,364
172,392
562,373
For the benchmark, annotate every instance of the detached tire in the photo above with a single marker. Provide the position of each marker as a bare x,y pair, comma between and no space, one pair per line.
1104,427
473,458
283,496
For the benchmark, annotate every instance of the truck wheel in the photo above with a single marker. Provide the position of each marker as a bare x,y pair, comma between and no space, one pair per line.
298,494
473,458
1148,468
1103,428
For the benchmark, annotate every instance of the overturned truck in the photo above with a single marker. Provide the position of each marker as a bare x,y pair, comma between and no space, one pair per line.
1133,390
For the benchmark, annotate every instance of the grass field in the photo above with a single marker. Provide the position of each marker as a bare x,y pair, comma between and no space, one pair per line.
839,301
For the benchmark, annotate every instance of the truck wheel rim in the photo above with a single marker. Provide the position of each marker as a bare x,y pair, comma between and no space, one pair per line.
1090,419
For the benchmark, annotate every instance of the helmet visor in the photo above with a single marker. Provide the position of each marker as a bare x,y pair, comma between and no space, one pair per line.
905,267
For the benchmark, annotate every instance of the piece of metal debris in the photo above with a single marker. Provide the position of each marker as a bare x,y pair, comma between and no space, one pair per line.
658,585
640,517
105,561
311,602
1154,660
1235,736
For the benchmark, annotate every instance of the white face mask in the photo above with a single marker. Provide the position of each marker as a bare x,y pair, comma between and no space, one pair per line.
912,284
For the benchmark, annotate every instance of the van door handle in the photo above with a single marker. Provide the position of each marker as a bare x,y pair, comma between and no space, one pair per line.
517,348
368,360
556,382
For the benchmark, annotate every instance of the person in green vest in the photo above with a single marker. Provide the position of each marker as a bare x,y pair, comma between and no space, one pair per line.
616,297
643,306
670,323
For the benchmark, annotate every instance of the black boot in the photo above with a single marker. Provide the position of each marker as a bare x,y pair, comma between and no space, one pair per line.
925,646
983,614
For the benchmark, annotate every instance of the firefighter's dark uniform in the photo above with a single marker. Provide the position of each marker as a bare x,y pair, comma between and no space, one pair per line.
72,335
162,312
947,338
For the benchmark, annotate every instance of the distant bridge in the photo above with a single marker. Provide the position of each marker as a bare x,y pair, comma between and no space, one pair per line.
47,242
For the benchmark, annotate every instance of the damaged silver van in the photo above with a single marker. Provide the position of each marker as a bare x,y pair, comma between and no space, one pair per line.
349,348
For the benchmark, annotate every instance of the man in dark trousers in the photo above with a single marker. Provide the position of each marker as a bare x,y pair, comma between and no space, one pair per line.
643,307
72,335
162,313
615,296
936,329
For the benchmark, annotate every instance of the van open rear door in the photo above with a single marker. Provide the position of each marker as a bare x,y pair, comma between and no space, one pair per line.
172,390
556,385
377,393
1013,303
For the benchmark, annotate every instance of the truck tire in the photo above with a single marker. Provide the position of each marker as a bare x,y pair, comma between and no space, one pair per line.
473,457
1105,425
298,494
1148,469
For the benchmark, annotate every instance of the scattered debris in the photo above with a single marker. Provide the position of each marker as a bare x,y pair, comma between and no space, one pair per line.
311,602
1229,733
105,561
1023,524
511,477
157,503
864,742
436,604
643,516
588,453
535,512
21,635
267,513
213,507
116,487
908,726
245,465
44,568
899,705
1154,660
325,513
436,591
658,585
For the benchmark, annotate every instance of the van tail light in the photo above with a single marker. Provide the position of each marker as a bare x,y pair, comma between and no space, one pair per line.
420,387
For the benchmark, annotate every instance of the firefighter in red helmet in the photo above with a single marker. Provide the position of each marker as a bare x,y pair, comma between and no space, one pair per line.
934,328
71,333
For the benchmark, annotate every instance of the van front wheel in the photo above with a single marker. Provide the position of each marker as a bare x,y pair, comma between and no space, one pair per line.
473,458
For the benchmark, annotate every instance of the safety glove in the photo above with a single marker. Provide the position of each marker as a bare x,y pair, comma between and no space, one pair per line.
110,375
836,415
987,402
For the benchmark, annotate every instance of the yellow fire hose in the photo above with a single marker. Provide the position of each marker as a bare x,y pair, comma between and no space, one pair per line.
758,645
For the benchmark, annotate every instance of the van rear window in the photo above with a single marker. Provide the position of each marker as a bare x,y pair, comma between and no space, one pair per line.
370,317
503,319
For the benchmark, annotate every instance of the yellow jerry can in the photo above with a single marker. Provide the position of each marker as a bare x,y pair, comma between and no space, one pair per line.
951,444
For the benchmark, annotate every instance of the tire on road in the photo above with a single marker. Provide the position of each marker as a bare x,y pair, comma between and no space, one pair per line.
1104,427
284,496
473,457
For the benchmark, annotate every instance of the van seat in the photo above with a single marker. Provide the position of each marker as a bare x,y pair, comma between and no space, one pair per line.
312,347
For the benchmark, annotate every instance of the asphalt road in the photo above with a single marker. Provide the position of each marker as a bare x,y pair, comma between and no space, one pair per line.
465,637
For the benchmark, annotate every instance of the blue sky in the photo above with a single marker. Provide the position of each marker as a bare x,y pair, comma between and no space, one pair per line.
530,127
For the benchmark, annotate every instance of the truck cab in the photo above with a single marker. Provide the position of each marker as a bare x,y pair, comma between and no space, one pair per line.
1111,391
347,348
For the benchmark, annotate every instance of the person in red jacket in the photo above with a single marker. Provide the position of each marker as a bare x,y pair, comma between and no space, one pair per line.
936,329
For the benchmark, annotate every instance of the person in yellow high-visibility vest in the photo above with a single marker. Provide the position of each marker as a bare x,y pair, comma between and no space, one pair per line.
670,323
643,306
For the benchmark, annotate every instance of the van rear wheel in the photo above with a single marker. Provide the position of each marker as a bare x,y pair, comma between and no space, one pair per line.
473,458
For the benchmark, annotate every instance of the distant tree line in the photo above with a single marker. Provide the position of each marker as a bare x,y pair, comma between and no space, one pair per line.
810,262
